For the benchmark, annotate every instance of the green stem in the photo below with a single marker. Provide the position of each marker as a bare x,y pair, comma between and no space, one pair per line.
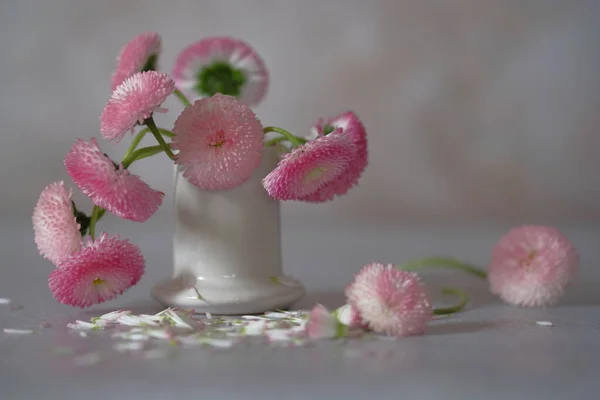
455,308
140,135
274,141
152,126
442,262
140,154
182,97
294,140
97,212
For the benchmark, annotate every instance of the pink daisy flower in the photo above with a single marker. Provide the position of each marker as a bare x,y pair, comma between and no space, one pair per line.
221,65
101,271
108,186
310,167
389,300
139,55
348,124
532,265
55,226
220,142
322,324
133,101
349,316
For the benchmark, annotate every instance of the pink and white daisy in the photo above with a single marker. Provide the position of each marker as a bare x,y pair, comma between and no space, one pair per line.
133,101
108,186
220,142
389,300
221,65
532,265
139,55
101,271
310,167
56,229
349,316
322,324
346,124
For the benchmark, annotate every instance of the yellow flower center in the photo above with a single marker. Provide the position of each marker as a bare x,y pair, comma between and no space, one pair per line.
98,281
315,174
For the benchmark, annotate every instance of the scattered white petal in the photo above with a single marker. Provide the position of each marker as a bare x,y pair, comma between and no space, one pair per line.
255,328
164,334
4,300
131,336
83,326
208,315
277,315
113,316
544,323
136,320
128,346
88,359
18,331
222,343
83,334
175,319
254,317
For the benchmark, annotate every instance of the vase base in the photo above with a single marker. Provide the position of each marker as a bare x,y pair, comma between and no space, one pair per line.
229,296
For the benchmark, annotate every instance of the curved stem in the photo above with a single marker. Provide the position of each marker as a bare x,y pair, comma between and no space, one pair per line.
153,128
182,97
142,153
443,262
274,141
97,213
462,295
294,140
140,136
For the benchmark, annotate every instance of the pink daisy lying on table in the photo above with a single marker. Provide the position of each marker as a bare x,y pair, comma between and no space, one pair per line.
532,266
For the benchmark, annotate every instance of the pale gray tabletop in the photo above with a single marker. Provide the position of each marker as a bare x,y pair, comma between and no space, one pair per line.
491,351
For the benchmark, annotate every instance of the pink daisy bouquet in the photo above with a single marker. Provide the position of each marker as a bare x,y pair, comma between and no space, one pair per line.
217,142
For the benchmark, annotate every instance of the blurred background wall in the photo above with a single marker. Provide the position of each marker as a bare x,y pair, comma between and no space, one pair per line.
477,110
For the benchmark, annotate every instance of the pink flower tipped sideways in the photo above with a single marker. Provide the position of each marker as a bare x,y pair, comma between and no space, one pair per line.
348,124
101,271
531,266
310,167
55,226
220,142
322,324
133,101
139,55
112,188
221,65
390,301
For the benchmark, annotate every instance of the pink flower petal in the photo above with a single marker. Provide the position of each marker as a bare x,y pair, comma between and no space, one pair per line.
350,125
310,167
532,265
321,324
220,142
390,301
349,316
101,271
133,101
56,230
115,189
135,56
241,74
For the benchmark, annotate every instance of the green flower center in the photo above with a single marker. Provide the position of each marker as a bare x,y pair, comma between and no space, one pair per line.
150,63
327,129
220,77
315,174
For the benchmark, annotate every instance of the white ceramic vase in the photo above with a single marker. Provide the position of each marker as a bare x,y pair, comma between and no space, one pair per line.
227,249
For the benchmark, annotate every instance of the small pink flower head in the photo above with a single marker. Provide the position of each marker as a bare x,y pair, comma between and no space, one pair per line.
310,167
108,186
139,55
220,142
531,266
348,124
389,300
101,271
349,316
322,324
133,101
56,229
221,65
